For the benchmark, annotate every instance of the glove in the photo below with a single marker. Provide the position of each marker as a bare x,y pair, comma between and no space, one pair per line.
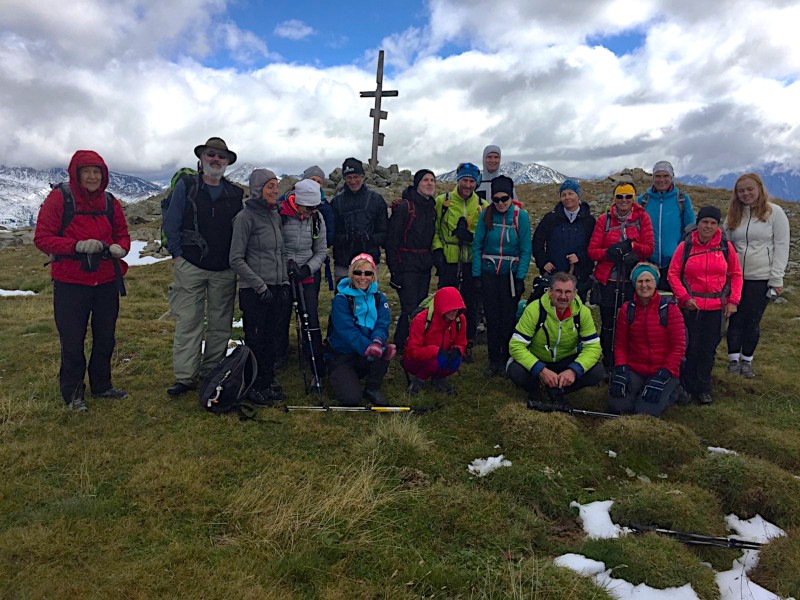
620,379
462,231
519,286
389,352
374,350
438,259
477,283
442,359
630,260
395,282
454,359
263,294
117,251
89,247
617,252
291,269
303,272
655,386
284,294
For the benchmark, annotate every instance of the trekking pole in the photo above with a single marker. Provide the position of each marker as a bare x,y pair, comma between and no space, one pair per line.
697,539
378,409
300,355
460,272
547,408
617,293
316,383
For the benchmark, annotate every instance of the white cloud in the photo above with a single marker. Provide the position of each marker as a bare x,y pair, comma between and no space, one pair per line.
293,29
713,87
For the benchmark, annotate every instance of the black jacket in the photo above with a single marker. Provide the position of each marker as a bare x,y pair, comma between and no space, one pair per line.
360,223
411,229
555,237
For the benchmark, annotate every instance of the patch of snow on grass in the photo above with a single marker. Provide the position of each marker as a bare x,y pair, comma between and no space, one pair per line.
718,450
7,293
134,260
483,466
596,519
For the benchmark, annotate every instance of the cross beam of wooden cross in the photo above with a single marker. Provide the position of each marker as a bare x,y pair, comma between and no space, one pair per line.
376,113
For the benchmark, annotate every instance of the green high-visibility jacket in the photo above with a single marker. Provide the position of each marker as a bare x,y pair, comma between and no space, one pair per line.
450,208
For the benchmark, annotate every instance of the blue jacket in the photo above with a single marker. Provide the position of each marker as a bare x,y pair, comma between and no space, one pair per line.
353,329
503,240
668,222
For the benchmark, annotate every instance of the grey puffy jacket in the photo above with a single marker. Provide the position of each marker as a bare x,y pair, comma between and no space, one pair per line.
301,243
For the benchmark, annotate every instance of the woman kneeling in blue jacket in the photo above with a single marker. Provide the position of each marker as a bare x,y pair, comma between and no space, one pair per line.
359,328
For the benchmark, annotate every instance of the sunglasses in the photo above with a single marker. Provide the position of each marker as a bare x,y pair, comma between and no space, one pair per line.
359,273
212,154
501,198
624,196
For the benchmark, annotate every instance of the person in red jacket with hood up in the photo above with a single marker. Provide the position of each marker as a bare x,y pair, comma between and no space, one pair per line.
621,238
436,342
84,253
706,278
649,349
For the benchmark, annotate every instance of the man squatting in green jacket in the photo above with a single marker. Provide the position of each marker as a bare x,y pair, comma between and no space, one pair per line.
560,351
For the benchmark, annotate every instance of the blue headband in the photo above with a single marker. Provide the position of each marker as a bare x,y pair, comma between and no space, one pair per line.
644,268
569,184
468,170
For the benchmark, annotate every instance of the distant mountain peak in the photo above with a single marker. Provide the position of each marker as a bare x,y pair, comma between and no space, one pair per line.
520,173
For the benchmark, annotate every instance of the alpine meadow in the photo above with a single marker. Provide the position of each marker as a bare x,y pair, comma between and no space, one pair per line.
152,497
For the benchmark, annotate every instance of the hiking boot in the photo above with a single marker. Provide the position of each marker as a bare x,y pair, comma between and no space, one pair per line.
734,367
112,393
494,370
275,392
556,396
260,397
746,369
416,386
375,397
468,358
178,389
442,385
281,362
703,398
78,404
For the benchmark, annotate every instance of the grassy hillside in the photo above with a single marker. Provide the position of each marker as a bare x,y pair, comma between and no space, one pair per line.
151,498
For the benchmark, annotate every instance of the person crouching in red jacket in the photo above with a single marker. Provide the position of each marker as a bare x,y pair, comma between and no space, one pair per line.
86,280
648,349
706,278
436,342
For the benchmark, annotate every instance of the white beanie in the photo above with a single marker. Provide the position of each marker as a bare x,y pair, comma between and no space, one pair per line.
306,193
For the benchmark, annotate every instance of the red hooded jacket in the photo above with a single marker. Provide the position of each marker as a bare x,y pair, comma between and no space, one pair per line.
638,229
441,335
646,345
705,273
82,227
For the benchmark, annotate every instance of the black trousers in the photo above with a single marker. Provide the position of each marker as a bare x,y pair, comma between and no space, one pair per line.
531,383
448,277
500,309
73,306
346,372
744,326
608,316
704,329
261,331
414,289
663,284
311,296
633,402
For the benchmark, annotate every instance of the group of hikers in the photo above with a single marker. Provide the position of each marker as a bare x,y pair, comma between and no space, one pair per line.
666,281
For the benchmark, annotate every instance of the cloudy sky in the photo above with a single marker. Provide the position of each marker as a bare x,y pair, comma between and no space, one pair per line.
587,87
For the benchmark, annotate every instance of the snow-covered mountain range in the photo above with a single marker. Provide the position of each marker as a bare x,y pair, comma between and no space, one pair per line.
23,189
780,182
520,173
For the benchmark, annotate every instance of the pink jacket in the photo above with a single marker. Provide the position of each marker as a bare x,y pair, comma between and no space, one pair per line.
706,273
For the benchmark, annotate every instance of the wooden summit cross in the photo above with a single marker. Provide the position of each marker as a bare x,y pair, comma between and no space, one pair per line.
376,113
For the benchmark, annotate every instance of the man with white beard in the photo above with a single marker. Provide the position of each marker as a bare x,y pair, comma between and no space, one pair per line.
199,226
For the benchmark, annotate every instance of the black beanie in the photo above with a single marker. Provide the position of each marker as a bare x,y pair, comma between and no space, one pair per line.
709,212
352,166
502,184
420,174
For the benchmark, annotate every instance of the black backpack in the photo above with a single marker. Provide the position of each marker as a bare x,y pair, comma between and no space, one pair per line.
224,389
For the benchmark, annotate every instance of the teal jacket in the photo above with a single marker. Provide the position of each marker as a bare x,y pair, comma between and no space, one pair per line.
555,340
494,251
669,222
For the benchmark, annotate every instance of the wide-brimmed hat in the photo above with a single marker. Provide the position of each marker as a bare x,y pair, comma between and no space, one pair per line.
218,144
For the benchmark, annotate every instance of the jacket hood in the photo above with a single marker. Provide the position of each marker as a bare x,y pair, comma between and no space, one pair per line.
259,206
258,179
86,158
487,174
447,299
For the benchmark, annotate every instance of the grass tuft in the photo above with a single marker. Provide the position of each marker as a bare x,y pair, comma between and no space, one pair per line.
398,441
778,567
748,486
779,446
533,432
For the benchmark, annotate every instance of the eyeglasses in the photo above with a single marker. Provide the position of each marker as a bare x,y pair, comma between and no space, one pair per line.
501,198
216,154
359,273
624,196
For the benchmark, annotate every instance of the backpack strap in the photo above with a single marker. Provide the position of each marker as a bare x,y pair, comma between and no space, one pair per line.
723,248
663,310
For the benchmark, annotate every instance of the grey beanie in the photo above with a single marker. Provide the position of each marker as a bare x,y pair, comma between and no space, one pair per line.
314,171
663,165
258,179
306,193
